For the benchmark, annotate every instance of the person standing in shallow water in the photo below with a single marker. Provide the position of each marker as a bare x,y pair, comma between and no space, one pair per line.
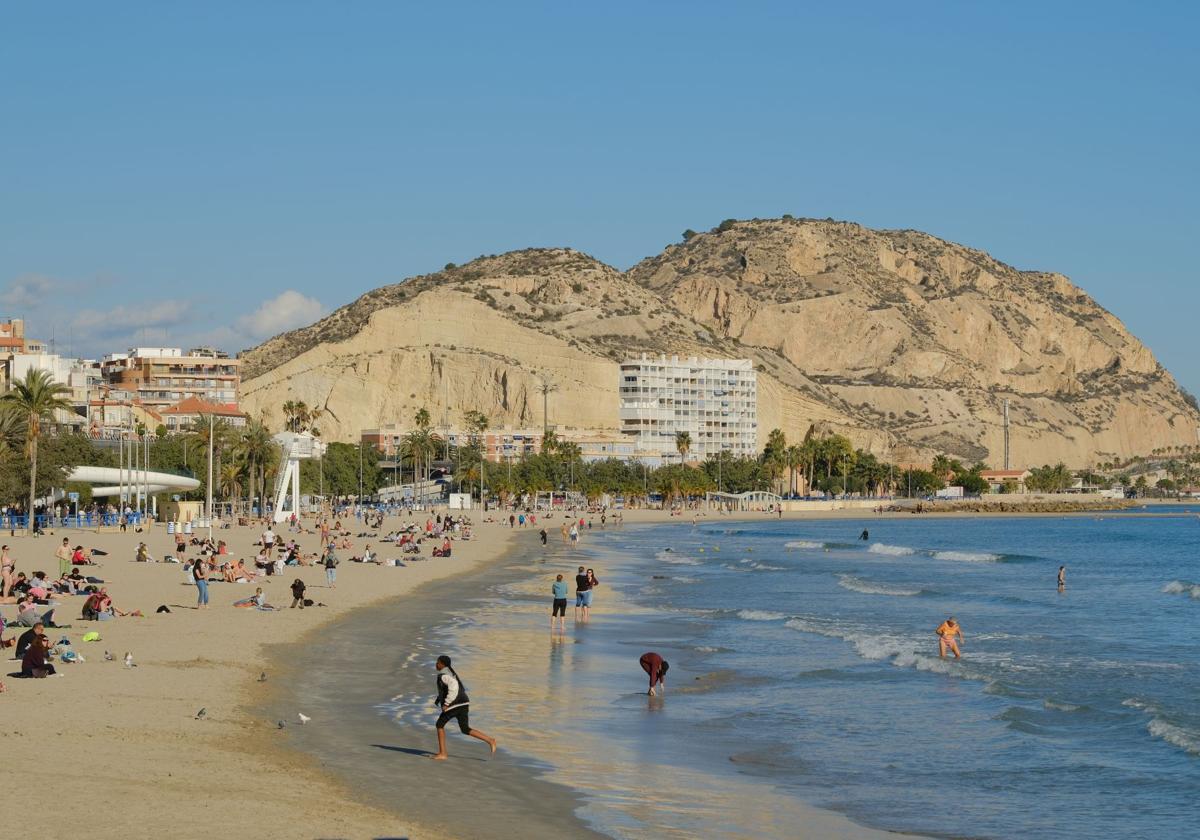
1062,578
946,631
455,705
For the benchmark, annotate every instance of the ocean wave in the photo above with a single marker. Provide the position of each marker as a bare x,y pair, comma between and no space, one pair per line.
1185,739
1063,706
1183,587
967,556
760,615
754,564
668,556
803,544
891,550
898,650
867,587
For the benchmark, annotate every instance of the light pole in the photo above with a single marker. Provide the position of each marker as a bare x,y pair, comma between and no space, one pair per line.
208,488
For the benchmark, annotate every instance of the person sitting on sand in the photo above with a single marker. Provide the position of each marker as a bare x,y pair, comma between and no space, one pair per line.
33,662
444,551
82,557
143,554
946,632
298,593
27,614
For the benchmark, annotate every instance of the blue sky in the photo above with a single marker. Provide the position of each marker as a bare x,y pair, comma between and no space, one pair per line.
165,169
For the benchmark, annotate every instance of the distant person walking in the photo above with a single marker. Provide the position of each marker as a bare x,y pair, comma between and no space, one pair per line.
593,583
946,632
559,590
330,562
454,704
542,535
656,667
574,533
200,578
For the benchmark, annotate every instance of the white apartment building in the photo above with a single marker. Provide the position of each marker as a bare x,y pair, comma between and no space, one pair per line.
714,400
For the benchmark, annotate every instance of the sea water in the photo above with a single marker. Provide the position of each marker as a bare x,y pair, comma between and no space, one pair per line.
805,667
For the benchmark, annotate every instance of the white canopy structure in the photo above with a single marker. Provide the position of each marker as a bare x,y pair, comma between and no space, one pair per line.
750,500
297,447
109,479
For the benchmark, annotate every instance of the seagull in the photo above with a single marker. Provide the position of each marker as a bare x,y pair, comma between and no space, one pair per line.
262,677
303,718
201,713
129,660
108,657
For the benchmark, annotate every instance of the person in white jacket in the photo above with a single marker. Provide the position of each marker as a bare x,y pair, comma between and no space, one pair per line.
454,704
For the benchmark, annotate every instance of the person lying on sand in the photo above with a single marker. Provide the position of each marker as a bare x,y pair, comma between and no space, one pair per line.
257,601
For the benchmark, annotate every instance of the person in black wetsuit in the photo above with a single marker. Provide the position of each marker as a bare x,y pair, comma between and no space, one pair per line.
864,536
454,704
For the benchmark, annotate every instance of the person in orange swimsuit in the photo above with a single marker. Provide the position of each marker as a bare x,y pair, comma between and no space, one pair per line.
946,633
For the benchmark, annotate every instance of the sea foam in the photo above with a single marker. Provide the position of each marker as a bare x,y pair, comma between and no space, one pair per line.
967,556
760,615
856,584
892,550
1183,587
803,544
676,558
1185,739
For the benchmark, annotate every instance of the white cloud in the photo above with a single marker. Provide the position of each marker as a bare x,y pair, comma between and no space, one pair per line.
285,311
127,319
29,291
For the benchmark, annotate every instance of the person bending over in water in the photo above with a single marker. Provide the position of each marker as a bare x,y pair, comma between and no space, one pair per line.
454,704
657,668
946,633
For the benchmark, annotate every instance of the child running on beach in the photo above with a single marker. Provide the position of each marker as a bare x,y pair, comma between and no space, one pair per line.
455,705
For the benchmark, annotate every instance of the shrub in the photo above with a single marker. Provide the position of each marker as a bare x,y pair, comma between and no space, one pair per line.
726,225
688,234
449,267
577,287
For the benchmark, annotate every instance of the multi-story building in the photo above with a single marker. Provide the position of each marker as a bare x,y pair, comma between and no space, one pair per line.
499,444
159,377
714,400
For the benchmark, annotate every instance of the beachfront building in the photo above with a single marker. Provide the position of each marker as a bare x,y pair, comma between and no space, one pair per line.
500,445
159,377
998,479
714,400
113,415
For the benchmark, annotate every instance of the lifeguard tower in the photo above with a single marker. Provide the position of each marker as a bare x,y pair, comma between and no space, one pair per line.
297,447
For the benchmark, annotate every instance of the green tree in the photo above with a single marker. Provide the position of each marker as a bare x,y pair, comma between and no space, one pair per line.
35,398
477,424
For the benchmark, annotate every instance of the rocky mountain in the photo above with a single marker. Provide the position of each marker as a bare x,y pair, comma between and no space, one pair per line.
907,343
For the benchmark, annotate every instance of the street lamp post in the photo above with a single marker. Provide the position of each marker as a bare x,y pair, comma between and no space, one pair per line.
208,488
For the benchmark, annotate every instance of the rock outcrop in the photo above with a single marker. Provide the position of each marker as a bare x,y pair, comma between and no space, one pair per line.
907,343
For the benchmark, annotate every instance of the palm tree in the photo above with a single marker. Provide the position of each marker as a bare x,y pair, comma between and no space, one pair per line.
477,423
35,399
12,427
421,418
420,446
255,447
795,458
683,442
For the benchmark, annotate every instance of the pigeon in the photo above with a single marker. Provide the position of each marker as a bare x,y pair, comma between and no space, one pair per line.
303,718
280,724
108,657
200,714
129,660
262,677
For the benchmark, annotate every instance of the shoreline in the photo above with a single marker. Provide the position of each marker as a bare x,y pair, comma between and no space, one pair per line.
375,757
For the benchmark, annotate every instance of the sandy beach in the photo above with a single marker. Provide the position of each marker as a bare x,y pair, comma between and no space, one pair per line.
125,742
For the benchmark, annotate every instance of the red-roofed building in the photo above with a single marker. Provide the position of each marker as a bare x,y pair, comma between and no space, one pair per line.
185,413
